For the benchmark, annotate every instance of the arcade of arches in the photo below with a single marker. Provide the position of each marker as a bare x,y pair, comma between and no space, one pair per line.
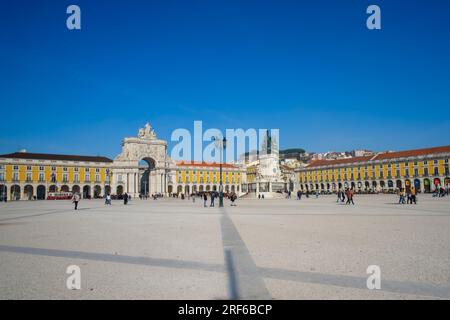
424,169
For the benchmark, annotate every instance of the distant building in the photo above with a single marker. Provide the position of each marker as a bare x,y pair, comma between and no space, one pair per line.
361,153
423,169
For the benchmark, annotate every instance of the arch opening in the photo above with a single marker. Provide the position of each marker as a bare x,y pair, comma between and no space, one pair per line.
146,166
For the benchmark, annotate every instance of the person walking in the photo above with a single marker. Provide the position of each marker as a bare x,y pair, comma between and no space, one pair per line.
212,195
75,200
349,196
400,196
413,195
233,198
408,196
205,200
125,198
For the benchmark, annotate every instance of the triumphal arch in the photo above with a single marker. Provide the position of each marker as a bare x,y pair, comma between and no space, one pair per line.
143,166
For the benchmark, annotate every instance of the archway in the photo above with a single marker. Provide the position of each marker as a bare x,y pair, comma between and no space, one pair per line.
179,189
322,186
53,188
447,181
437,182
382,185
417,185
40,192
3,192
76,189
367,185
146,166
28,192
187,189
374,185
65,188
233,189
390,184
399,184
200,188
86,192
194,189
97,192
107,189
15,192
426,185
208,188
119,190
170,189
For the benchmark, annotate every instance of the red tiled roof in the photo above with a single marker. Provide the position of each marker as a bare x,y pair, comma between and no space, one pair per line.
61,157
318,163
382,156
412,153
204,164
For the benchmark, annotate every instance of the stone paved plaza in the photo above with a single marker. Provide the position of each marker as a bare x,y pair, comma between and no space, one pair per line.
261,249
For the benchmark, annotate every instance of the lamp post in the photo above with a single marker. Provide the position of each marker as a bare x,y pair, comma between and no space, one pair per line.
222,145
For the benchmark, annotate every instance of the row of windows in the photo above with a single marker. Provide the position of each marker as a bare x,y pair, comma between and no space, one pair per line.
208,180
365,171
206,172
41,177
366,175
42,168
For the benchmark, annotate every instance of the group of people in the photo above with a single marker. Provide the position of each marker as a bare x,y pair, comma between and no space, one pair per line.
408,195
348,194
300,194
441,191
213,195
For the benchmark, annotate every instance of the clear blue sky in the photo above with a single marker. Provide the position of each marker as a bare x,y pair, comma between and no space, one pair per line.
310,68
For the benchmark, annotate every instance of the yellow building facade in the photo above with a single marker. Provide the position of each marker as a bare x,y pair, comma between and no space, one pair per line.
194,177
33,175
423,169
